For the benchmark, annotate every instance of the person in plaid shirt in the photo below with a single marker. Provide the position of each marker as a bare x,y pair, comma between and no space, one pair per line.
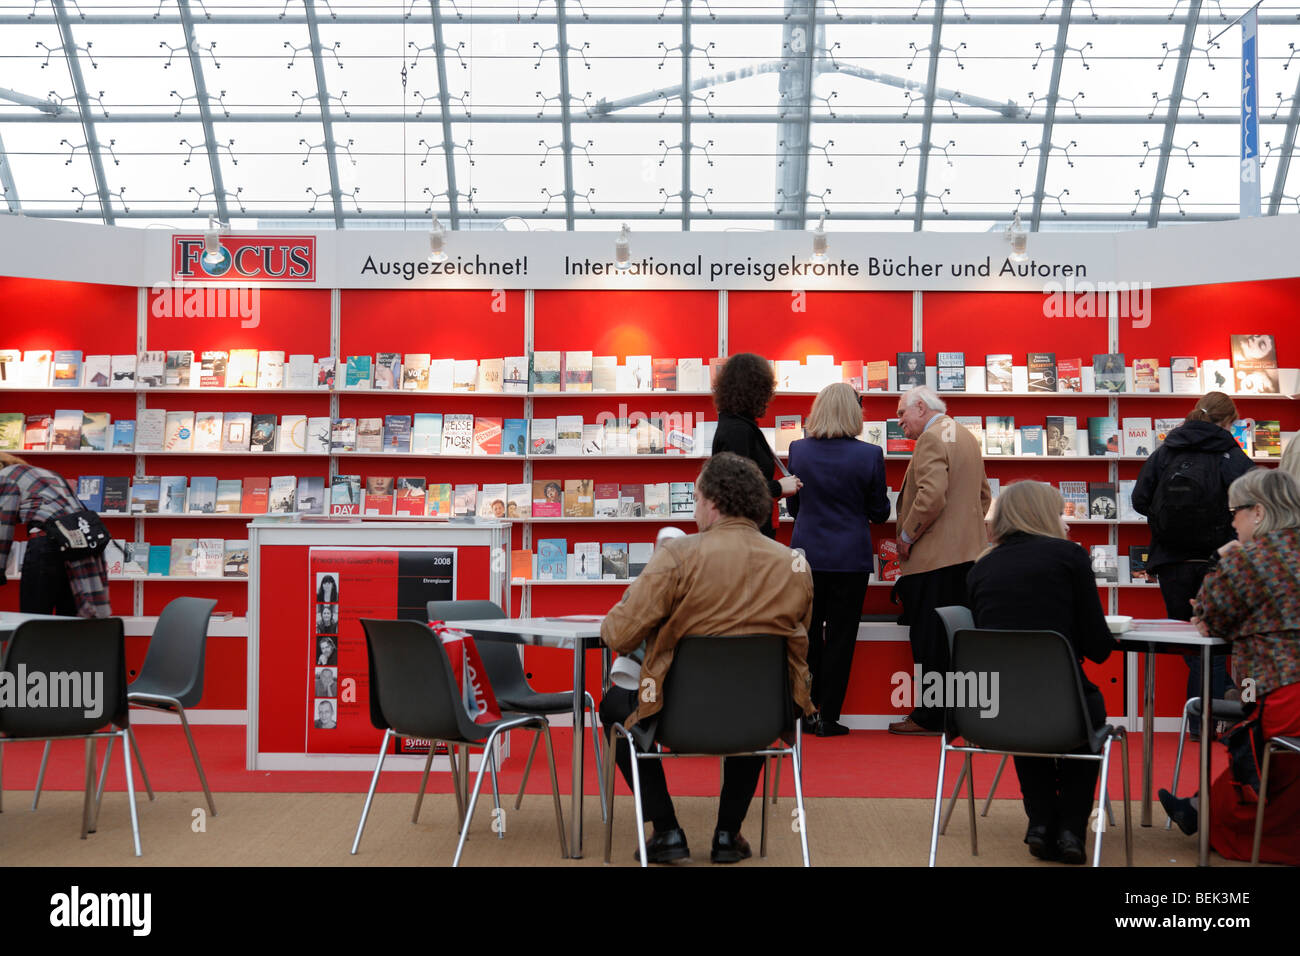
31,496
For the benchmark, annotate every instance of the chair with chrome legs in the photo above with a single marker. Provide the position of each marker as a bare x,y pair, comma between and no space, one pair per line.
1283,745
413,693
723,696
1229,710
509,683
1037,715
85,666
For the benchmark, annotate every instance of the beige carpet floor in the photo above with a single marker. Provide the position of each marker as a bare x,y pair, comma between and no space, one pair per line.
272,829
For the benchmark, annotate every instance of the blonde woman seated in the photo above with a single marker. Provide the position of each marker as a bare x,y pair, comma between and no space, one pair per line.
1032,578
1253,601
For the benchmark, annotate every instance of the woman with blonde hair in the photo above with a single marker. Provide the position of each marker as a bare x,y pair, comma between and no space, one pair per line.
843,492
1253,601
1033,578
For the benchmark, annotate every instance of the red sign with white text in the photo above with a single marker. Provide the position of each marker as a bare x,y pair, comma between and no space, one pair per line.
245,259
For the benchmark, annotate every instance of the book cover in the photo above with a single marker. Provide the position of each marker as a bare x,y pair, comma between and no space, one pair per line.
235,559
1054,429
1031,440
638,556
281,497
426,433
182,553
613,561
1000,435
1243,430
437,501
515,375
997,373
207,431
952,371
1075,496
464,375
179,369
585,564
37,432
568,435
1162,427
1138,556
410,491
487,435
310,495
202,497
519,501
639,372
1217,375
552,559
241,369
514,437
853,373
67,429
94,431
370,434
663,374
593,439
38,367
542,436
1146,375
300,372
397,434
604,373
1268,438
123,371
548,498
229,494
151,370
137,557
492,500
681,498
911,369
789,428
577,371
345,495
1137,439
117,494
11,431
90,492
440,374
388,371
877,376
491,376
358,372
1105,563
579,498
256,495
66,369
236,431
1126,510
343,435
379,492
692,375
521,564
173,494
656,499
1108,372
415,372
605,503
122,436
1103,501
1103,436
458,434
144,495
320,432
464,500
212,369
896,443
887,563
631,501
96,371
1254,364
270,369
1042,371
261,433
292,435
209,557
160,559
1184,376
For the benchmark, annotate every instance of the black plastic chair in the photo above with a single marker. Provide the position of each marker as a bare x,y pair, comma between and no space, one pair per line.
1229,710
413,693
505,672
1283,745
723,697
76,647
1037,716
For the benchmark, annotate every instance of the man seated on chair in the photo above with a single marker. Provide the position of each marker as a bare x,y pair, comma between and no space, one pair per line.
727,580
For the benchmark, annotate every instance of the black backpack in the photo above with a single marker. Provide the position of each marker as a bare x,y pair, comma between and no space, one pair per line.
1188,510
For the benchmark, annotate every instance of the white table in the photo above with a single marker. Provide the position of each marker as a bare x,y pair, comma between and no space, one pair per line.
572,634
1167,636
9,621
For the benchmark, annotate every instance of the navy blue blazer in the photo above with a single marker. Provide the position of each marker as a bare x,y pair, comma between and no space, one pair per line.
843,492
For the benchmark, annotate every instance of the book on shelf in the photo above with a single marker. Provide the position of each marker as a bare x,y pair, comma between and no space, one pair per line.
896,442
519,501
1146,375
681,498
552,559
415,372
310,495
117,494
464,375
241,368
491,374
631,501
270,369
576,368
94,431
1243,430
663,374
1161,428
229,495
90,492
998,372
648,437
37,431
1268,438
440,374
1103,435
877,376
579,498
656,499
973,424
789,428
292,436
1108,372
1105,563
182,553
951,372
209,557
1217,375
160,559
464,500
202,498
122,436
548,498
1103,501
542,438
387,371
343,435
487,435
207,431
1254,364
345,495
370,435
819,371
514,437
173,494
66,433
378,498
234,563
256,495
122,368
97,371
679,441
323,372
1126,510
911,369
136,557
151,370
1041,367
605,501
320,432
299,372
1000,435
212,368
114,558
1031,440
492,500
1138,557
282,494
1184,377
1075,496
1137,439
604,373
585,565
11,368
521,564
11,431
545,372
397,434
66,369
568,435
613,561
852,373
179,431
887,562
261,433
358,373
437,500
179,369
458,434
236,431
426,433
409,494
515,374
639,373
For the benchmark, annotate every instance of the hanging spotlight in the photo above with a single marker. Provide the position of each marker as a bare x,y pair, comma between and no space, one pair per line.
212,252
1019,239
819,241
437,239
623,249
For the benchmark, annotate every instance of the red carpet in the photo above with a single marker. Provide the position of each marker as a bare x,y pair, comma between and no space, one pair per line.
863,764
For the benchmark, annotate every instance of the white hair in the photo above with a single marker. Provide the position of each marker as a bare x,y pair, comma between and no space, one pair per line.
925,395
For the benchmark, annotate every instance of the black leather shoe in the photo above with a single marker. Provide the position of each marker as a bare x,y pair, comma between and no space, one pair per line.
1182,811
1069,848
665,847
1041,842
830,728
729,847
810,724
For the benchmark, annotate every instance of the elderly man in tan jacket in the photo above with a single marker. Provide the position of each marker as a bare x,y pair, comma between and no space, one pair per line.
727,580
941,510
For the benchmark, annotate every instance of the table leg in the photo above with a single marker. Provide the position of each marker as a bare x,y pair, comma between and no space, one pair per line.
1148,733
575,801
1207,732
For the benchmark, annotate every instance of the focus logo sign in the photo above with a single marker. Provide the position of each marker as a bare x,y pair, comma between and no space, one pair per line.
246,259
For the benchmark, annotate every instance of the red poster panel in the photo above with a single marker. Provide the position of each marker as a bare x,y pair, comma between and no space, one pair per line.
347,585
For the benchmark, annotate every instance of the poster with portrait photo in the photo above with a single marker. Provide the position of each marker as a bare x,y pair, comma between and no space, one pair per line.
327,588
327,681
326,650
327,619
324,713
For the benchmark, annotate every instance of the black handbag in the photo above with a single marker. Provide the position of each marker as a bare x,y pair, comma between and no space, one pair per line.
79,534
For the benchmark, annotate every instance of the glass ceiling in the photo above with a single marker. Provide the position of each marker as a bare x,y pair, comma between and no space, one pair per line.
684,114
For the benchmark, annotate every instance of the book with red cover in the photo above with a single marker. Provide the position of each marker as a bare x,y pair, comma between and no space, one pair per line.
664,373
715,366
379,496
887,560
851,372
1069,378
548,498
521,564
487,435
896,443
410,496
256,493
877,376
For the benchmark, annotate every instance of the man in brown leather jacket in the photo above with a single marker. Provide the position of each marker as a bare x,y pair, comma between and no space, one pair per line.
727,580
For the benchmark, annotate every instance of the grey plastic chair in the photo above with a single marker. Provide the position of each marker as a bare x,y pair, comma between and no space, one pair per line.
77,647
505,673
1038,717
1283,745
723,696
1230,710
413,693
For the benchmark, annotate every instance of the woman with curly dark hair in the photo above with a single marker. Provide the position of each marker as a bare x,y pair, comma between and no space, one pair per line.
744,388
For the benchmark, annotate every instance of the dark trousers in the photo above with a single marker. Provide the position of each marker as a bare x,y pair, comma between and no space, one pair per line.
739,774
1058,793
1179,583
833,635
44,588
921,595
